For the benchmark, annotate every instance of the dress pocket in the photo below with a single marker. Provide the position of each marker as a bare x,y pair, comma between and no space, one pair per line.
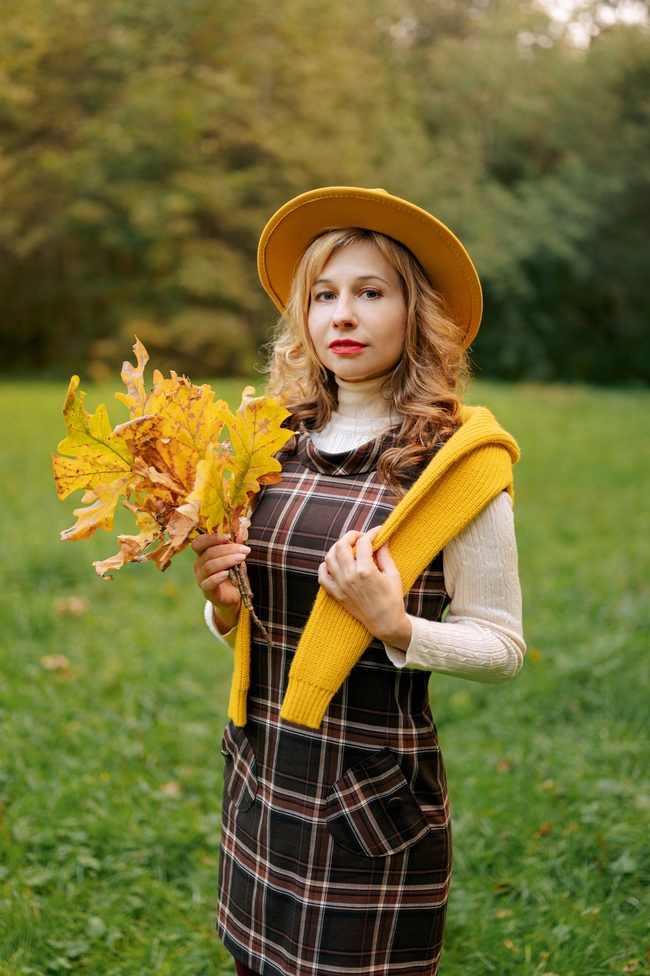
371,809
240,773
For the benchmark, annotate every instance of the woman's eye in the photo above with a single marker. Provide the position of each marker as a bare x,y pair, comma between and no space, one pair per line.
325,296
371,293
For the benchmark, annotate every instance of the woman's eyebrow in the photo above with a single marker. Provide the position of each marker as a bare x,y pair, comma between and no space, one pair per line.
365,277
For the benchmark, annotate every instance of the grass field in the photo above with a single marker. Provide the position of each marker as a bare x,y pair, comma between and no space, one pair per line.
110,770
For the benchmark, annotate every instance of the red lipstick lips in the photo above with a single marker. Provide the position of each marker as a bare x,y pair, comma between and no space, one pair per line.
343,347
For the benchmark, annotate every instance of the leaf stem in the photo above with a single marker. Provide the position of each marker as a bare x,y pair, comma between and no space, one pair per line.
239,578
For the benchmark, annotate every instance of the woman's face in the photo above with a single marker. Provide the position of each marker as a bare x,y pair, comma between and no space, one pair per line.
357,315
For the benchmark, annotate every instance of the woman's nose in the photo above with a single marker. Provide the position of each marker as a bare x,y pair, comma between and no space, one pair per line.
343,315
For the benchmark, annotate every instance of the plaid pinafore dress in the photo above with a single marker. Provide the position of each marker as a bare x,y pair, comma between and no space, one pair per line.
336,846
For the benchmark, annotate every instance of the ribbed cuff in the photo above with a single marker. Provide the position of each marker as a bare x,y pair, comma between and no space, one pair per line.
237,706
305,704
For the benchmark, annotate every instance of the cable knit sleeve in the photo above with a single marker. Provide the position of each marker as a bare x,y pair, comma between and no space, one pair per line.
481,637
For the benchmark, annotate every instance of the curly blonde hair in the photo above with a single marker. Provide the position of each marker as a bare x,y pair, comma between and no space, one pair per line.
424,388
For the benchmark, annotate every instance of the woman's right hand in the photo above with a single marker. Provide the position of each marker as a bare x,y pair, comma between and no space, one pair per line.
214,557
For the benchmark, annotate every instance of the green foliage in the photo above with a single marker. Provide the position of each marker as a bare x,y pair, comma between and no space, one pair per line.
143,147
110,772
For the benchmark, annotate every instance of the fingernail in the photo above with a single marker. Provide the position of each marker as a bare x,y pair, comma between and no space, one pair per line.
244,549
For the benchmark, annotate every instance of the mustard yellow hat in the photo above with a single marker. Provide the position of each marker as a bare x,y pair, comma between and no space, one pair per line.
444,259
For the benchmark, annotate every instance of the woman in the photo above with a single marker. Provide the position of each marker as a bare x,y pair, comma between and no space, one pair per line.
393,507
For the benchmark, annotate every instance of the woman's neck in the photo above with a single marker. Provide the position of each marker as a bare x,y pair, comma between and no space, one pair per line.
362,400
362,415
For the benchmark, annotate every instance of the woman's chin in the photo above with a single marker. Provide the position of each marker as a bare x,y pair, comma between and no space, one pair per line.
356,371
360,376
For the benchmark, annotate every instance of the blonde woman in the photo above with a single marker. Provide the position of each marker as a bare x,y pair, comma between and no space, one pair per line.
393,511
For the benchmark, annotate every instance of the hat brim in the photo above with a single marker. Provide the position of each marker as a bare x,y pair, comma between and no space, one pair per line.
444,259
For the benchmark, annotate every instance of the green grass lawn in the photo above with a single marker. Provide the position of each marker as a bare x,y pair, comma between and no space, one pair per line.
110,770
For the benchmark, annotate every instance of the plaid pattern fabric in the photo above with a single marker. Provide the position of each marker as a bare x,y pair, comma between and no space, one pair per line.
336,847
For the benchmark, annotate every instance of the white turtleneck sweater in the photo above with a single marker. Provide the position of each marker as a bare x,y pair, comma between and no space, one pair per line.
481,637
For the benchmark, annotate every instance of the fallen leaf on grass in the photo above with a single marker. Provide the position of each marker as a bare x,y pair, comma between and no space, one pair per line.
630,966
38,877
59,963
504,766
73,605
505,913
625,864
96,927
509,944
545,829
171,789
72,948
55,662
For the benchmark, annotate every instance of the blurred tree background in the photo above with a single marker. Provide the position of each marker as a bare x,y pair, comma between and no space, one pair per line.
144,145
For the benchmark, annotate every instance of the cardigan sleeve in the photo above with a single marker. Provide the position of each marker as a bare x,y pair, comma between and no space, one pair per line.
481,637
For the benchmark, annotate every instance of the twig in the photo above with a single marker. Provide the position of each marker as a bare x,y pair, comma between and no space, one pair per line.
239,579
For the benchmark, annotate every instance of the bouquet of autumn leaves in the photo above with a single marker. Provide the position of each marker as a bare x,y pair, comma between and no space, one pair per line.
167,464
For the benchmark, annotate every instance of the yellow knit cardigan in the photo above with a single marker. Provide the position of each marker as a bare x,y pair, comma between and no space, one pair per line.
466,473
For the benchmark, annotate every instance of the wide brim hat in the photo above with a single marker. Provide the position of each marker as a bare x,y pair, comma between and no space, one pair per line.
445,261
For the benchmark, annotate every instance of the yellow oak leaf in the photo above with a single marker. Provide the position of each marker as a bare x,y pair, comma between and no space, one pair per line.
131,546
136,396
256,435
210,489
85,472
191,422
167,397
181,528
139,434
101,513
196,415
162,554
154,477
139,402
99,457
142,437
171,427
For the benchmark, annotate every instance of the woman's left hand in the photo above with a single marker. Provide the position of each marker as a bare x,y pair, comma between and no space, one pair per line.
368,585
